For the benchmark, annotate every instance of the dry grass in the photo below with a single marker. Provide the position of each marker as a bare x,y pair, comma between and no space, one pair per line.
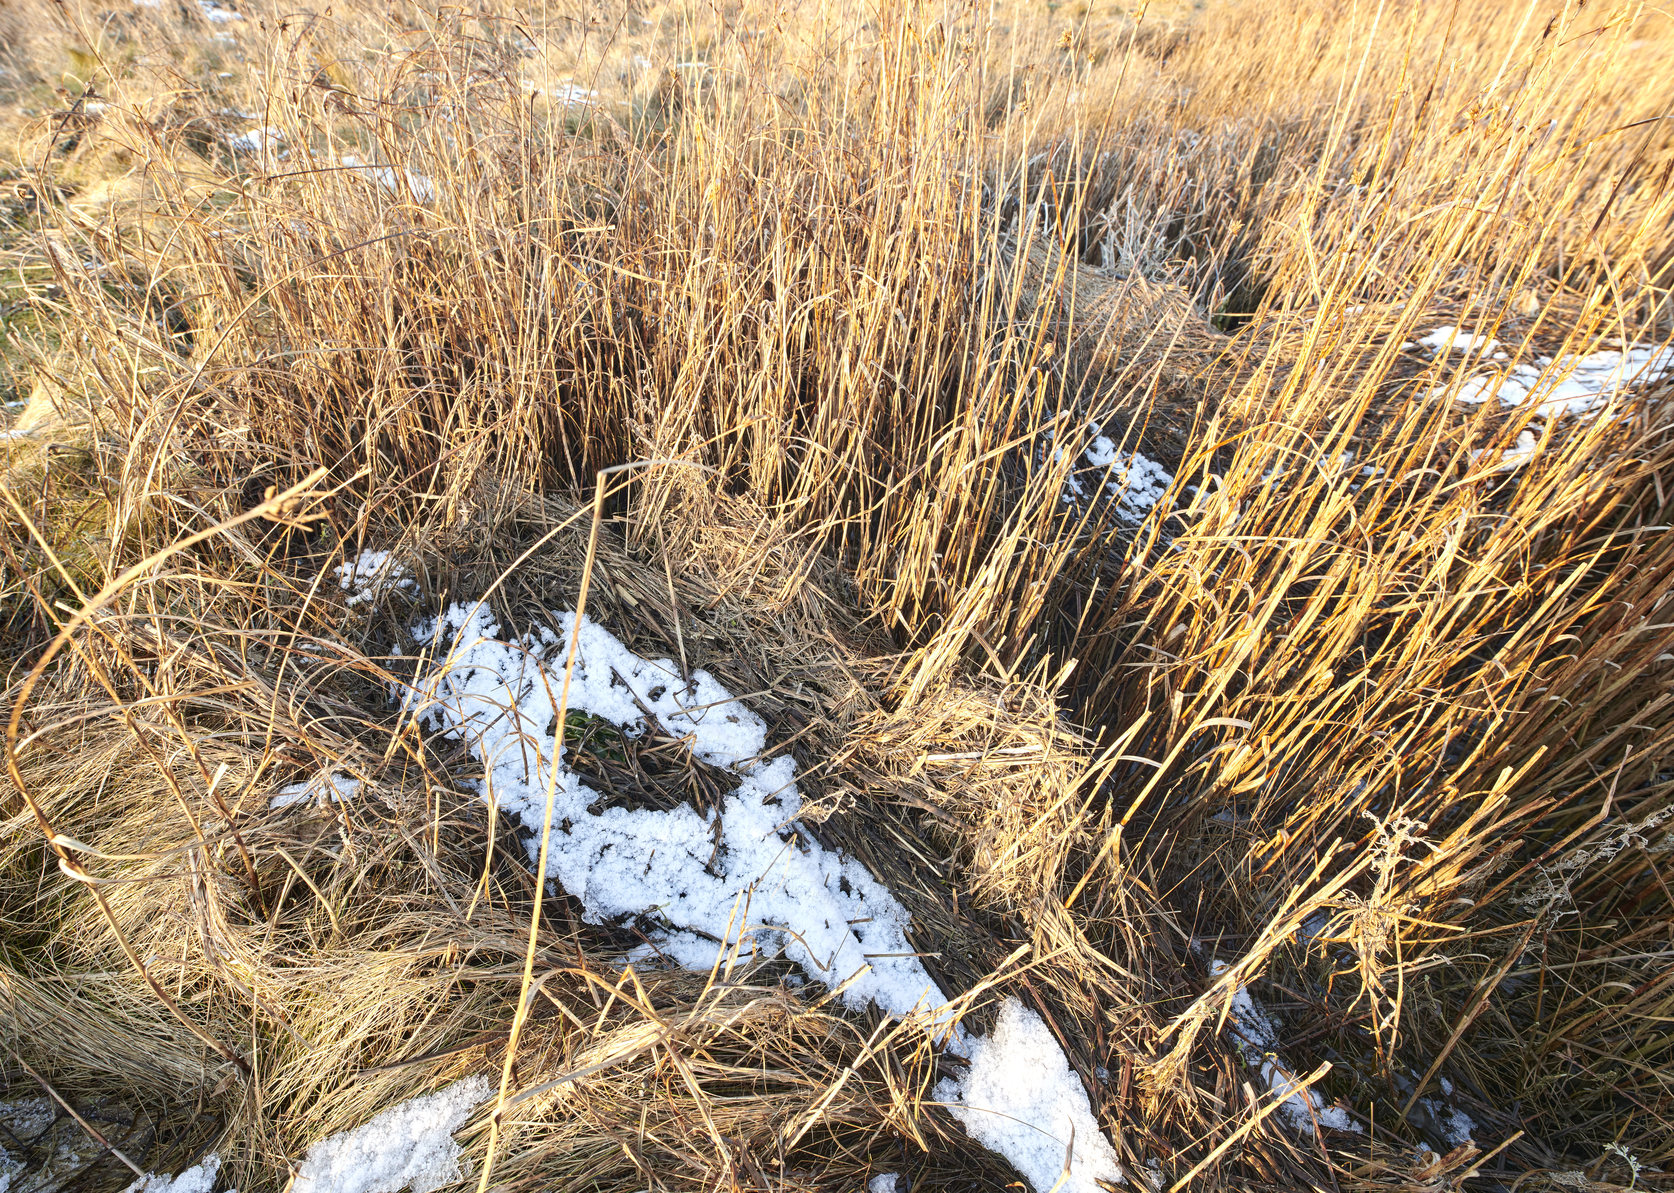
876,270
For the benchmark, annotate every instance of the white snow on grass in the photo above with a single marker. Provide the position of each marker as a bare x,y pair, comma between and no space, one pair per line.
1455,339
1453,1124
1136,483
884,1182
23,1119
334,787
1257,1037
403,182
200,1178
739,880
409,1145
1020,1099
371,574
257,139
1570,386
1516,455
571,94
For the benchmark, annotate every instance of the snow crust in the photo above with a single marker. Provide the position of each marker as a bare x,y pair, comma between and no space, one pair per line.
737,880
256,139
571,94
1455,339
200,1178
1454,1124
742,881
371,574
1516,455
1135,482
401,183
1570,386
335,787
409,1145
1257,1036
1020,1099
884,1182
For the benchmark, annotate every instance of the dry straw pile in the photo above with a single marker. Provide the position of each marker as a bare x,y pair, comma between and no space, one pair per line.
1362,717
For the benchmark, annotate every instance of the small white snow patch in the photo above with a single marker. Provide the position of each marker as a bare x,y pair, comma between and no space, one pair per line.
1451,1123
371,574
884,1182
409,182
218,15
1454,339
335,787
1257,1037
256,140
409,1145
200,1178
1516,455
571,94
1021,1099
1137,483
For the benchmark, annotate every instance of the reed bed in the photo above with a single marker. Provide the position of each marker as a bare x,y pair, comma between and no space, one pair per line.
1361,715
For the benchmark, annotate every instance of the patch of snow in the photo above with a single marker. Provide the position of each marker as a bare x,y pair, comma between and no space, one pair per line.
1136,483
1257,1037
571,94
26,1118
884,1182
1453,1124
732,879
1516,455
1571,386
1021,1099
1454,339
740,879
410,182
371,574
218,15
335,787
1152,1172
256,140
200,1178
409,1145
1473,392
1521,452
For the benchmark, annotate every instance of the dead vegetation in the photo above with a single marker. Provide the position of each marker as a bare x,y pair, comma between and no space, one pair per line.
1353,717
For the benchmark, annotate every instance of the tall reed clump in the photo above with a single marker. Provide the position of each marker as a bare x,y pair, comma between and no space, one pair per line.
1364,715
